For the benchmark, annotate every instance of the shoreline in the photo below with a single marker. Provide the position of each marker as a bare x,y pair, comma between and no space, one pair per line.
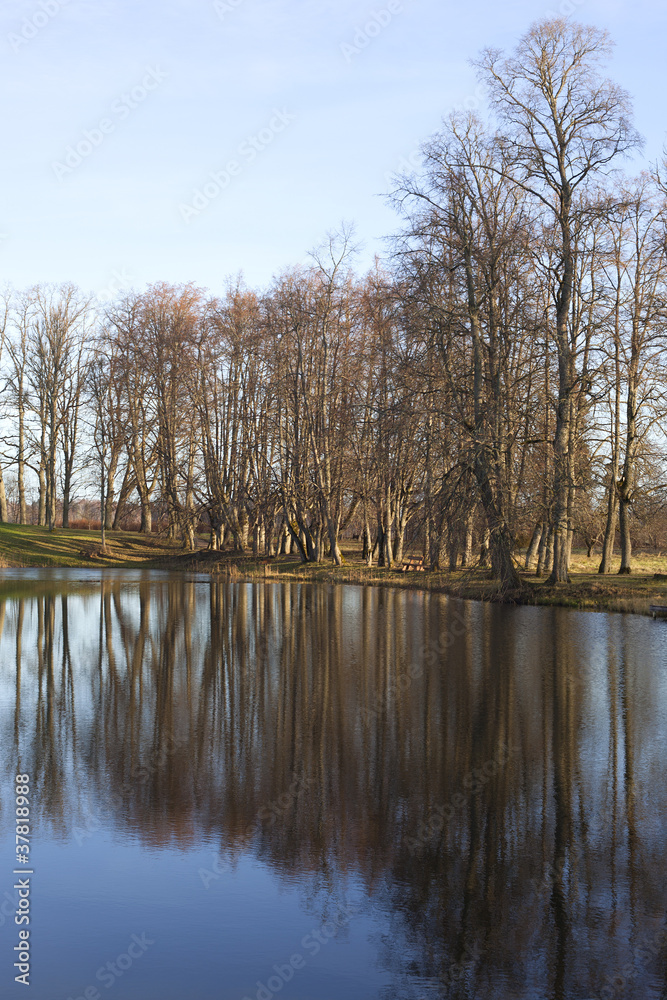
598,594
23,547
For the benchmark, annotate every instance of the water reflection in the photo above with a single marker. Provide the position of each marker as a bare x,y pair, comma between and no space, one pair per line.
494,777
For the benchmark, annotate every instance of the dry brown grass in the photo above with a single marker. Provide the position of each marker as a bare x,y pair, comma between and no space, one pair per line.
22,546
29,546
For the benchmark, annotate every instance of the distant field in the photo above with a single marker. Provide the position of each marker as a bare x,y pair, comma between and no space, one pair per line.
642,563
29,546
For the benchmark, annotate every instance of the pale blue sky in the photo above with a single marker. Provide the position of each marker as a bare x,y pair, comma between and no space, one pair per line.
172,91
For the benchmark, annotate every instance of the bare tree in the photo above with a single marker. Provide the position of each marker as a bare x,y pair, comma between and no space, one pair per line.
469,229
54,370
566,125
4,313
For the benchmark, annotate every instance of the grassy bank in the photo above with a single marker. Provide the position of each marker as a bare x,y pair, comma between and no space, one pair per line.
28,546
586,591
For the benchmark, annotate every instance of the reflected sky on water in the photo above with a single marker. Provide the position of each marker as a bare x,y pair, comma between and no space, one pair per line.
314,792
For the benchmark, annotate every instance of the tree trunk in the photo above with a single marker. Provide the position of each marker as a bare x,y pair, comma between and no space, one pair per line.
367,550
486,468
399,540
484,548
454,546
386,537
102,497
550,551
111,491
67,485
332,531
534,546
612,493
125,490
23,508
546,547
610,529
626,543
146,517
380,542
41,506
566,381
560,568
51,477
626,485
439,548
466,558
500,536
4,513
190,537
243,532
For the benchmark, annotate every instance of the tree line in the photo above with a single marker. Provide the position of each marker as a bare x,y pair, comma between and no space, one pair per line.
499,378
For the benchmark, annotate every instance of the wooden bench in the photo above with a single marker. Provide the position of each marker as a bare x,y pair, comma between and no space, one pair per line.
658,609
413,564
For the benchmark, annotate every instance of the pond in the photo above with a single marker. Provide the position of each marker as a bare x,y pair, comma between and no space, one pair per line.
241,791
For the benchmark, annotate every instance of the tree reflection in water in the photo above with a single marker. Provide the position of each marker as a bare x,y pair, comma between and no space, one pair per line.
501,801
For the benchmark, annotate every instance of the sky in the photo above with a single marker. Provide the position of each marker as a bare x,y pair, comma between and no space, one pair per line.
193,140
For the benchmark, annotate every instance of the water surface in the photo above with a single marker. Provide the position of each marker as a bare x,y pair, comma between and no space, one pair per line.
318,793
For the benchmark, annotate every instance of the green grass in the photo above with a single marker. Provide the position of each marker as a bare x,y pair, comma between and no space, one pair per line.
586,591
29,546
25,546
